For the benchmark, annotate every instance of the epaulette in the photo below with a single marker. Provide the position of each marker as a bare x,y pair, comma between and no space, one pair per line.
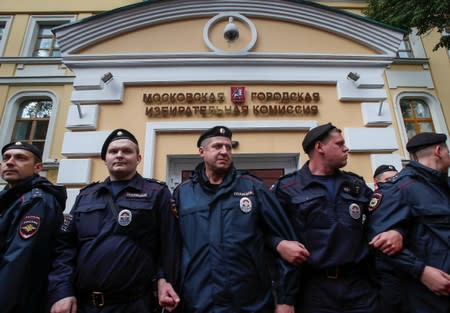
252,176
90,185
354,175
393,179
33,193
287,175
36,193
152,180
187,181
404,173
247,173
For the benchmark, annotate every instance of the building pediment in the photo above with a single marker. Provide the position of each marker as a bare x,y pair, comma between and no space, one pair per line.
154,27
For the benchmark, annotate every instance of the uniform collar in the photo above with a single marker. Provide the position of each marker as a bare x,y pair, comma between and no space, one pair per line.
24,185
428,172
134,183
199,176
308,178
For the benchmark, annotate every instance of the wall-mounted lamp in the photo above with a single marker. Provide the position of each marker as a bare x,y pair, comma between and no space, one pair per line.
107,78
231,31
234,144
353,76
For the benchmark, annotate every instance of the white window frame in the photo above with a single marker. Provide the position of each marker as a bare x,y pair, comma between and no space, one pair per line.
33,28
10,114
7,20
435,110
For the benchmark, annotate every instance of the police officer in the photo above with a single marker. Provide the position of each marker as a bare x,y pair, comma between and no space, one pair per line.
30,214
327,207
112,244
383,173
390,288
225,216
416,202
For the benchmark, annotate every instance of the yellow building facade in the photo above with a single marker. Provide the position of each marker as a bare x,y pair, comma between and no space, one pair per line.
168,70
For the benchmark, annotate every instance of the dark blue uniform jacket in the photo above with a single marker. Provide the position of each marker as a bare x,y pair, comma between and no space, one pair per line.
223,230
332,231
95,253
30,215
417,203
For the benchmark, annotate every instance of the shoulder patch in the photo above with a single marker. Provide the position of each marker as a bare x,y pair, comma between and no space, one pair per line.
375,201
29,226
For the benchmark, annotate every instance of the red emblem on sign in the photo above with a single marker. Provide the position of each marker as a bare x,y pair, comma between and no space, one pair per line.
238,95
29,226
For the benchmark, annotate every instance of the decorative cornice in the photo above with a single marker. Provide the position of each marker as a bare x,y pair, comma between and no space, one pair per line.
211,59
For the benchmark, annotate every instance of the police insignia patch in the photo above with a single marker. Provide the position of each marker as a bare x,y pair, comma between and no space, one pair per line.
245,204
29,226
375,201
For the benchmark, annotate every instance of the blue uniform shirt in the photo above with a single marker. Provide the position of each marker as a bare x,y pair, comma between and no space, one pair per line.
30,214
332,230
95,253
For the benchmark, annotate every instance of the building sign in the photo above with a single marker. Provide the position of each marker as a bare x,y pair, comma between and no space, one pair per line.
211,104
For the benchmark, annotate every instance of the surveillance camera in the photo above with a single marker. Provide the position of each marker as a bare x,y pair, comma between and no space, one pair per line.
107,77
353,76
231,32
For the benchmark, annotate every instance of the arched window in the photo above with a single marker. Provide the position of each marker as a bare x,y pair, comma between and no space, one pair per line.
30,116
418,112
416,116
32,121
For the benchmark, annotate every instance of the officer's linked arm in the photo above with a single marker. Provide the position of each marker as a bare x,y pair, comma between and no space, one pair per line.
63,267
170,252
389,211
276,223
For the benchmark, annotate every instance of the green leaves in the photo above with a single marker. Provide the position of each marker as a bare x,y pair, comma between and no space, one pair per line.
426,15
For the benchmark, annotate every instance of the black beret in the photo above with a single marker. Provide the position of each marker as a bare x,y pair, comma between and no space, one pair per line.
117,134
216,131
316,134
24,146
423,140
384,168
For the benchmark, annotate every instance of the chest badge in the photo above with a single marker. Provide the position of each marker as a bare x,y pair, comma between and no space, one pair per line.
355,211
245,204
124,217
